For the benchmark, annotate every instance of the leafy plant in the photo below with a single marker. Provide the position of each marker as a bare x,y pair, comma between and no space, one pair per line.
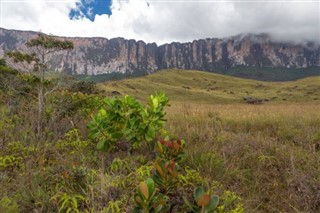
230,202
8,205
119,165
136,176
166,175
190,178
126,119
172,150
203,202
9,161
113,207
147,199
69,203
73,140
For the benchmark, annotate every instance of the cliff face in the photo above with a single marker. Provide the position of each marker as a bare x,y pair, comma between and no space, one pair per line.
94,56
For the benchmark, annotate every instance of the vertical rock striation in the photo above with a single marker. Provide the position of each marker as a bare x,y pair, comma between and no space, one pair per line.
93,56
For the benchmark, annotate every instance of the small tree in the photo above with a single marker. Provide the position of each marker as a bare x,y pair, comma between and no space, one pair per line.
42,49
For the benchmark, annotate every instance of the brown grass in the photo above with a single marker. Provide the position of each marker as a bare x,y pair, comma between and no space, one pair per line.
265,153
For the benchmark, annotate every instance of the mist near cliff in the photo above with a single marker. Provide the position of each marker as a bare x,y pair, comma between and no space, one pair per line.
164,21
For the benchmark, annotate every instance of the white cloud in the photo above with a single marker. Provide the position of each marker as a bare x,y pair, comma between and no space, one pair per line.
170,20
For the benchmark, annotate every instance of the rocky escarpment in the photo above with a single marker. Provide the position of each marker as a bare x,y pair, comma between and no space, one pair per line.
94,56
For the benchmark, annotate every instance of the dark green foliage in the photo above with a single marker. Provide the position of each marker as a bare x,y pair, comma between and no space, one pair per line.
23,57
3,62
86,87
49,42
126,119
7,75
108,77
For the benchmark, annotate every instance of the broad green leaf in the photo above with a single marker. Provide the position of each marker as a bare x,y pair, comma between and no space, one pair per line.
102,112
213,203
150,185
155,102
158,208
100,145
198,193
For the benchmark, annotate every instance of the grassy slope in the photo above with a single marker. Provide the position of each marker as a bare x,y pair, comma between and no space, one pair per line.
265,153
197,86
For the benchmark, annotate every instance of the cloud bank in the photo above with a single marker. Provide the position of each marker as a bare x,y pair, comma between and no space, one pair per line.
165,20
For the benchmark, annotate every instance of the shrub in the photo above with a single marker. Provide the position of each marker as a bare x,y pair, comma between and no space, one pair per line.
172,150
126,119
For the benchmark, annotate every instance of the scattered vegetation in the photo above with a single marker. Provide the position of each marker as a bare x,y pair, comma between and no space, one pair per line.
100,153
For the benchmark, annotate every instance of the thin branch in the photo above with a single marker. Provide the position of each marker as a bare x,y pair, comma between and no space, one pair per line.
52,90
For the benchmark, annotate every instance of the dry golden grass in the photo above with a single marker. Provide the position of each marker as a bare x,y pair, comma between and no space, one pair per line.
265,153
241,112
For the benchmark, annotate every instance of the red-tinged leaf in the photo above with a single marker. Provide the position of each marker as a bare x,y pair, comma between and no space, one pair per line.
138,199
159,169
173,165
176,146
179,142
166,165
144,189
204,200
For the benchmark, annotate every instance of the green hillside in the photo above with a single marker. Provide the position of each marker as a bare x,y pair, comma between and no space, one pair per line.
198,86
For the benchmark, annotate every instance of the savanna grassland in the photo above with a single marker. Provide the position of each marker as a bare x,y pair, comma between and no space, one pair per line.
265,153
255,157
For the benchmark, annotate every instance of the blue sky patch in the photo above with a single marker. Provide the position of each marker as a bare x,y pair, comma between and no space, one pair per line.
90,8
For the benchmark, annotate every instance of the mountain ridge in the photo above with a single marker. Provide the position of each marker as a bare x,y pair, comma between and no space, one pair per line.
97,55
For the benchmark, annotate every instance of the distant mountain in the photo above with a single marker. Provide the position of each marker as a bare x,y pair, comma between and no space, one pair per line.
93,56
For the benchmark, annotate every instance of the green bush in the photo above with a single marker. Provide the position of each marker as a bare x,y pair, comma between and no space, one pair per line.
126,119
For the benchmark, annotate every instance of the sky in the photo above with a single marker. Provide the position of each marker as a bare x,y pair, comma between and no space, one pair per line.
164,21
